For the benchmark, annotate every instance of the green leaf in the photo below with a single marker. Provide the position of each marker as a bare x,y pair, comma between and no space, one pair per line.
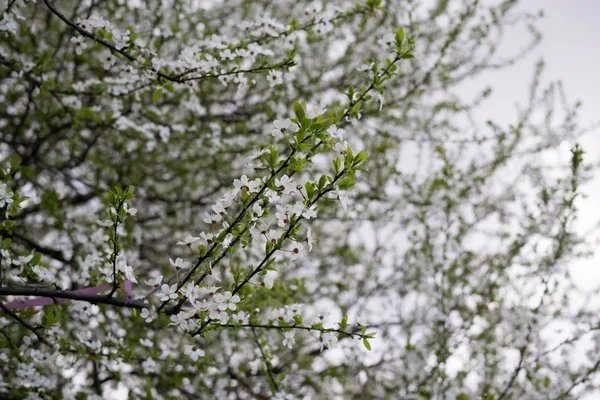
356,108
156,95
322,181
99,88
310,190
344,322
297,165
545,196
299,111
51,202
346,183
373,3
238,229
337,165
366,344
303,147
349,153
269,266
51,315
399,37
350,93
129,192
273,156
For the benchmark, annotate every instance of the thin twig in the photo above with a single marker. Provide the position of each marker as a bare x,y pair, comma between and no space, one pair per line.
25,324
275,387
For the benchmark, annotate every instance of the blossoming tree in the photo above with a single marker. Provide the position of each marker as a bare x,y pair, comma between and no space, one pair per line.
249,199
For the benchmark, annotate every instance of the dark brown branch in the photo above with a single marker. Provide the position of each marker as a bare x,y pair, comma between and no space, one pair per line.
70,295
55,254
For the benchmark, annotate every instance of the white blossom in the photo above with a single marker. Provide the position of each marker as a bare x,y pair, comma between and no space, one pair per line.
289,339
329,340
189,239
218,208
129,210
275,77
179,263
242,183
297,250
284,184
336,133
226,300
43,273
309,213
193,351
212,218
168,292
282,126
128,271
268,279
282,216
227,54
310,239
241,318
257,211
256,154
148,315
341,146
274,235
108,60
80,44
314,110
206,238
155,281
22,260
342,197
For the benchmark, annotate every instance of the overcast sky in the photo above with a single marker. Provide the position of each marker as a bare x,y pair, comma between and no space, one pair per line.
571,50
571,47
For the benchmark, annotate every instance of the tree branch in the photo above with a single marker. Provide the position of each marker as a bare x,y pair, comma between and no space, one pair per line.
25,324
75,295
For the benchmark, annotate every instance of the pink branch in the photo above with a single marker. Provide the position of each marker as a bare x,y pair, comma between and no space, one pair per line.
48,300
90,295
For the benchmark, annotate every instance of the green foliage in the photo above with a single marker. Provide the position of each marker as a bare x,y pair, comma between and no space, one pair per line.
307,179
